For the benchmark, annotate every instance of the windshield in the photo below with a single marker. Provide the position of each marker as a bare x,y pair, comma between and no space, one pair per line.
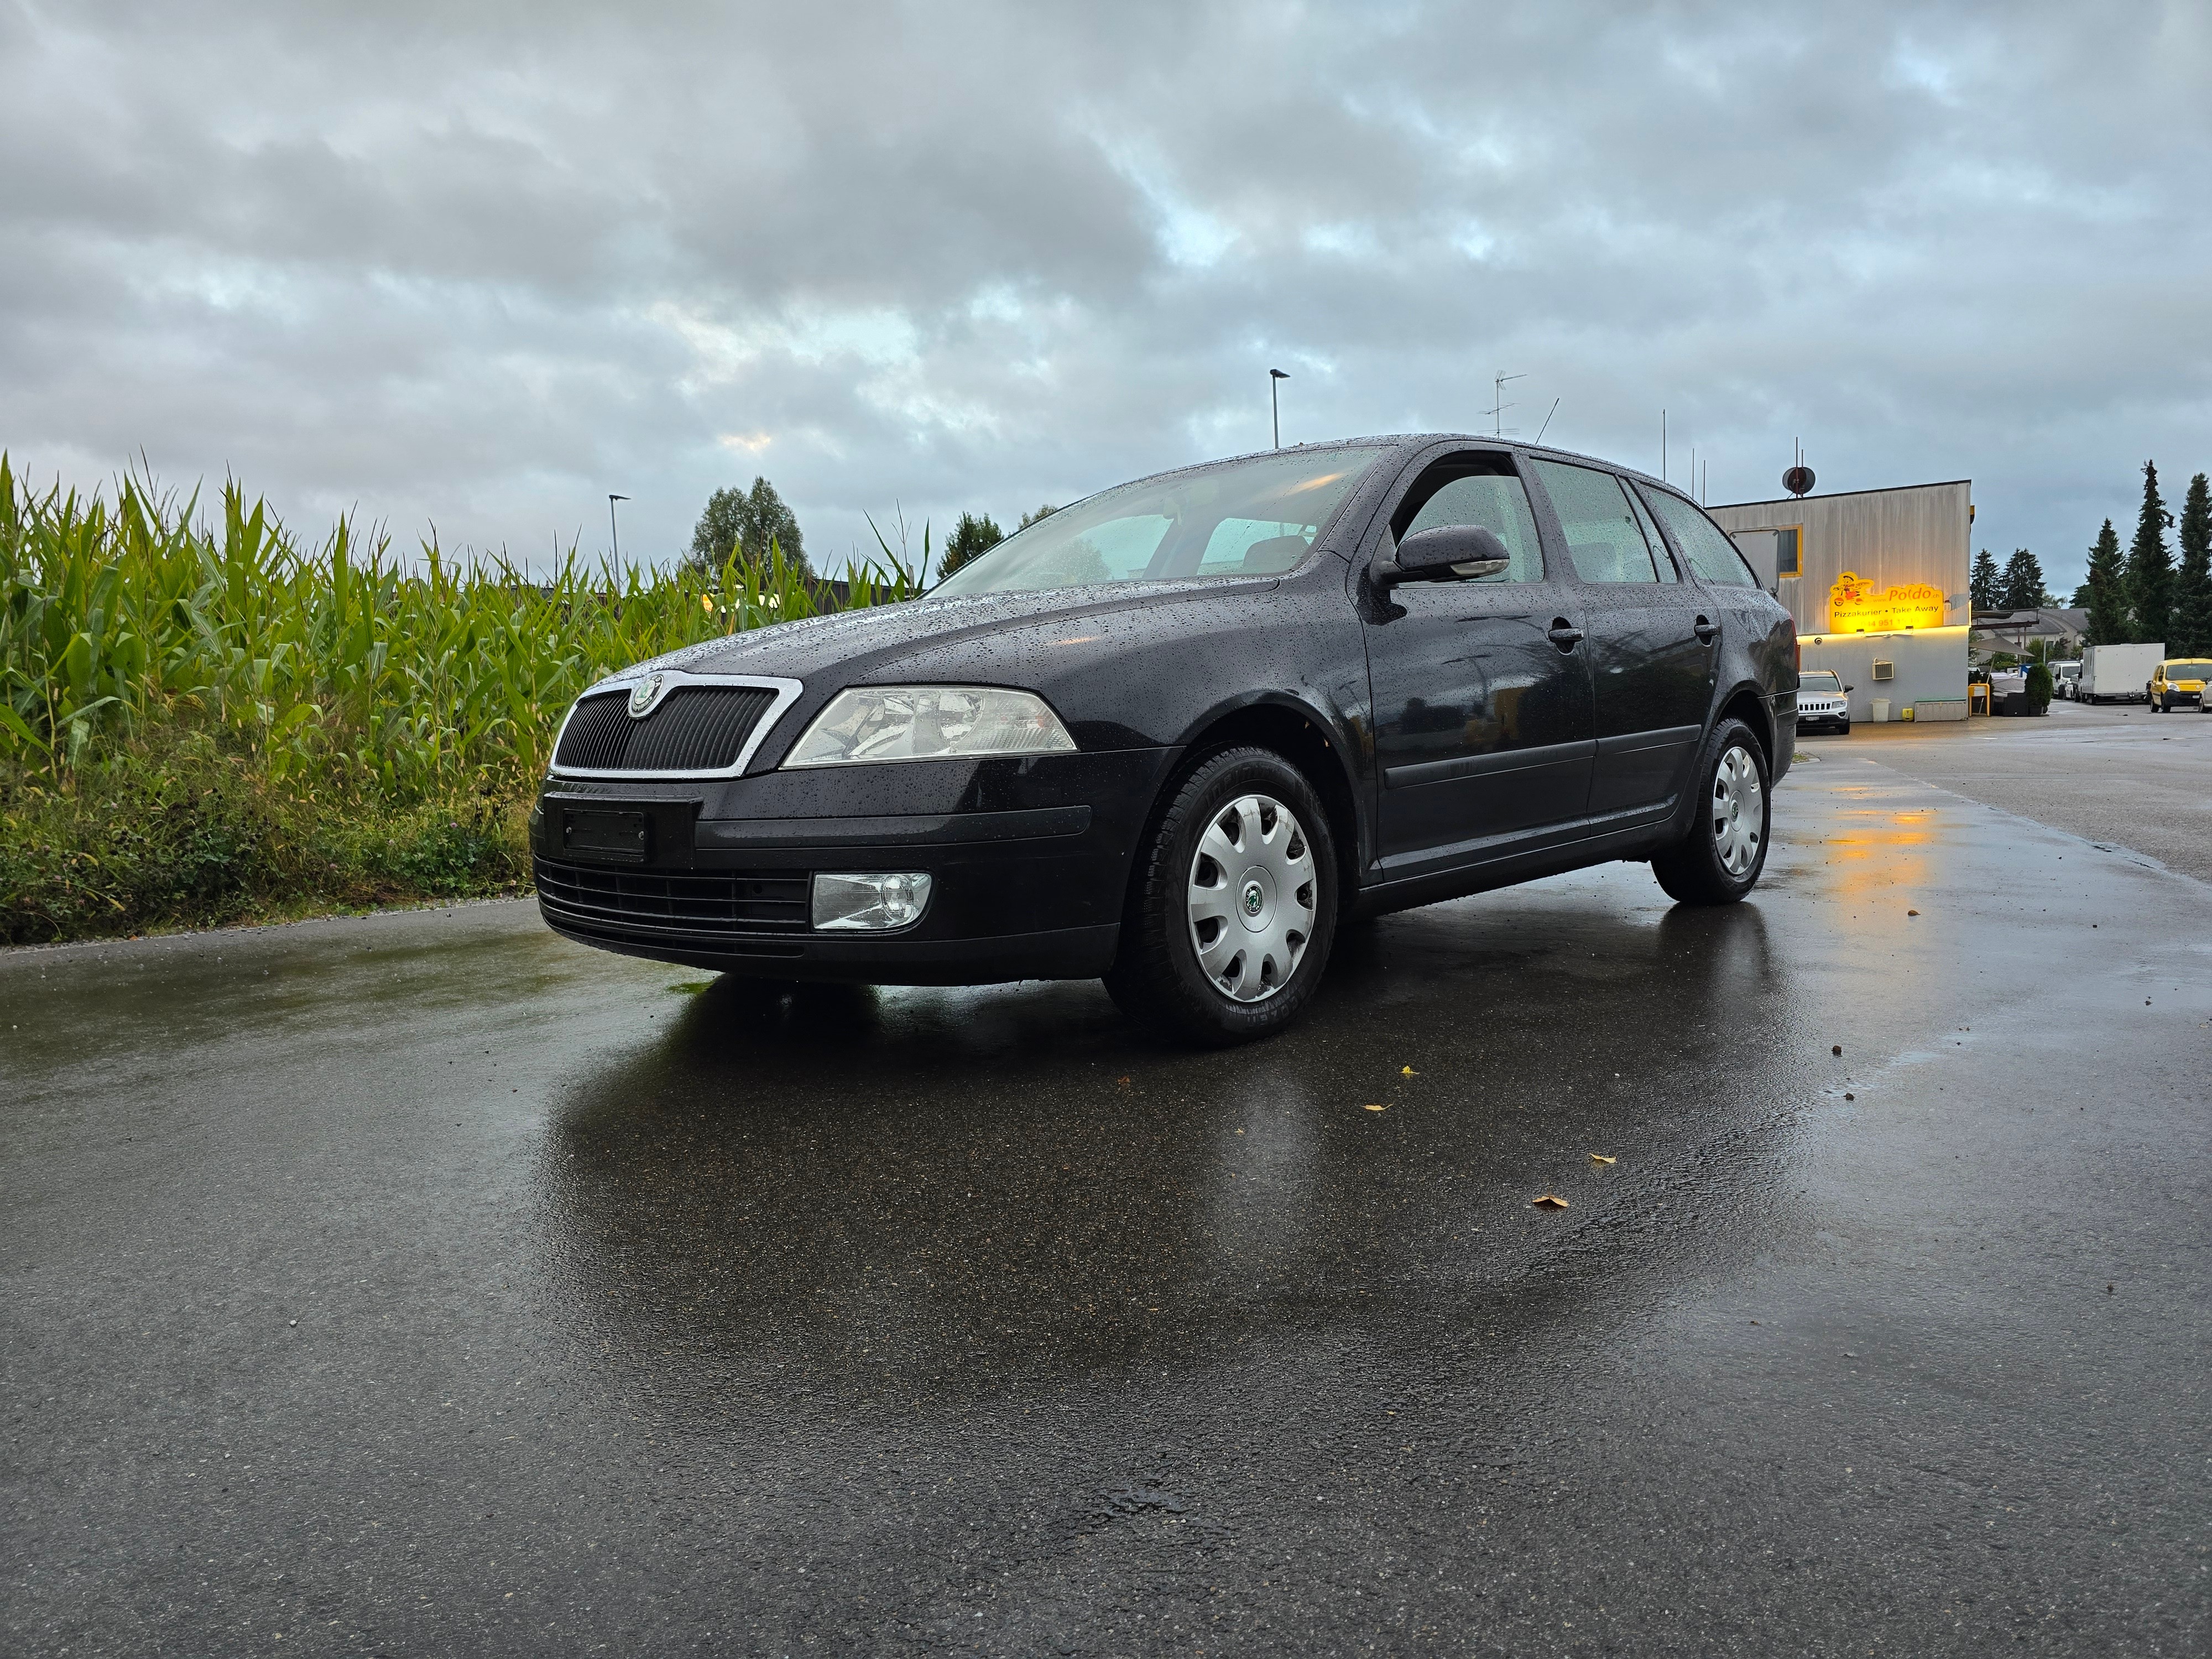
1820,683
1253,518
2187,671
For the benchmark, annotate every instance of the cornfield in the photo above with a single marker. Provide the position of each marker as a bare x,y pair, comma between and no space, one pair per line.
153,661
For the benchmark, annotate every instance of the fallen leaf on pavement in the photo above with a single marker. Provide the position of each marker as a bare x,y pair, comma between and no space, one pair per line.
1548,1202
1599,1158
1374,1109
1912,913
1407,1071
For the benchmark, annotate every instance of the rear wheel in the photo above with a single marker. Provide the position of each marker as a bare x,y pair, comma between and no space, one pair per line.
1719,860
1233,907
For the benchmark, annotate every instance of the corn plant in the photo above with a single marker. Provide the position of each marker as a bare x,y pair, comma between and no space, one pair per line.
336,665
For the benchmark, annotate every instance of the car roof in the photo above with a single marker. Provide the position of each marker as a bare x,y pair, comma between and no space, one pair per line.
1411,441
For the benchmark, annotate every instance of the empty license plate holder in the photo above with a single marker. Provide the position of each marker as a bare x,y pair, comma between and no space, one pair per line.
607,837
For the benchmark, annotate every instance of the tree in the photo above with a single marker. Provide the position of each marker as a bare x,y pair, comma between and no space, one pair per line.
1043,512
1985,586
2192,584
748,523
2080,599
2023,588
2108,590
969,538
2151,564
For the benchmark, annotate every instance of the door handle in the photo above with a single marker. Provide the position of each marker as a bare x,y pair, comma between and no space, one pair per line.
1705,630
1564,633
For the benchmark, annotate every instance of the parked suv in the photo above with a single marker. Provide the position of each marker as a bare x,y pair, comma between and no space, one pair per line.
1822,704
1172,734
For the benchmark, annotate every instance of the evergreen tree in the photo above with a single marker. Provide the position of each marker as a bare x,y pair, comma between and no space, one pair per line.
970,537
2080,599
1983,587
2192,584
2150,565
2022,589
2108,590
749,523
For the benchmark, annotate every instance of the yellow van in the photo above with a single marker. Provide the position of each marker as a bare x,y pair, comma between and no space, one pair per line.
2179,683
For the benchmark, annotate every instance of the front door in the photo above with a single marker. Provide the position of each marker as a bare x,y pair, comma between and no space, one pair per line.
1650,650
1481,699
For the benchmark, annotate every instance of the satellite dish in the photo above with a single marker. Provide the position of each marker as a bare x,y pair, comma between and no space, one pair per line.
1797,480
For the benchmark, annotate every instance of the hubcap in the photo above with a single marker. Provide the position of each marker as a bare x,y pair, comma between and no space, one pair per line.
1739,812
1251,898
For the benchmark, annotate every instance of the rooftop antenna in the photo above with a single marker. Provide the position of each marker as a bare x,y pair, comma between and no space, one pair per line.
1498,408
1546,426
1799,479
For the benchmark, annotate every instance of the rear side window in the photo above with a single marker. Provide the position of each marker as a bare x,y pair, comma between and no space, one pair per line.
1497,502
1710,554
1604,541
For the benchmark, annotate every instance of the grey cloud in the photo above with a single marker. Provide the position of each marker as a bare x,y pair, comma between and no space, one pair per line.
480,265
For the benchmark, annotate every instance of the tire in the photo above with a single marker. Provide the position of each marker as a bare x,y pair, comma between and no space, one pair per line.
1228,968
1845,729
1719,860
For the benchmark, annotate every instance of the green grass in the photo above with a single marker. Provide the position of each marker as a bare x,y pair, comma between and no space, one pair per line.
207,721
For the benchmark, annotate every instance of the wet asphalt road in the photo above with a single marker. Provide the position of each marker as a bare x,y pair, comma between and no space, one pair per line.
426,1285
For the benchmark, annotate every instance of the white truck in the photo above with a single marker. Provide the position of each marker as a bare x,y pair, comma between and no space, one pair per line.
2118,673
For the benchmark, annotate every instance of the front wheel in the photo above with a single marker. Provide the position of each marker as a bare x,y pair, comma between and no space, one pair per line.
1233,906
1718,861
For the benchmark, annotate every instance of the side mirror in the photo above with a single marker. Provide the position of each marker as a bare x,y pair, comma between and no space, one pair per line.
1448,552
1850,688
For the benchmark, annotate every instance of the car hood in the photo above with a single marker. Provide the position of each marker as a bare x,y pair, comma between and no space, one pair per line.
868,645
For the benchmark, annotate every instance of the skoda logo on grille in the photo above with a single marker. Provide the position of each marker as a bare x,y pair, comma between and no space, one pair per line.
645,696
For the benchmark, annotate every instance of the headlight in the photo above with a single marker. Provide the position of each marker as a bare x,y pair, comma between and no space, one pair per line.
929,722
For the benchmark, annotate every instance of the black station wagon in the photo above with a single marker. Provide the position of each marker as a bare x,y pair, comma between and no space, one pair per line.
1174,734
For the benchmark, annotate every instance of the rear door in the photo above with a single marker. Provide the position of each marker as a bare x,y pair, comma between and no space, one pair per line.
1482,717
1650,645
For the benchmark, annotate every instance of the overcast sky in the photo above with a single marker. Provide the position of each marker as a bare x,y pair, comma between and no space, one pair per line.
480,264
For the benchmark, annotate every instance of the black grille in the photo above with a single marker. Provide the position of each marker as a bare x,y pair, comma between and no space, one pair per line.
698,728
724,901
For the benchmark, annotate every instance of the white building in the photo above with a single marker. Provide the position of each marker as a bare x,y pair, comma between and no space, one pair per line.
1876,580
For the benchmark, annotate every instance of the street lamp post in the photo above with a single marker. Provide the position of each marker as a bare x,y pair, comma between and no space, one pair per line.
1274,409
614,530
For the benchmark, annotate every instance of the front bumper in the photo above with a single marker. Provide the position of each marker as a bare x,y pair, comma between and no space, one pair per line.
1824,719
1029,861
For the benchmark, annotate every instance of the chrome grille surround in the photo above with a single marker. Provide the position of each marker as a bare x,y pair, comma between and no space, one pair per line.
783,693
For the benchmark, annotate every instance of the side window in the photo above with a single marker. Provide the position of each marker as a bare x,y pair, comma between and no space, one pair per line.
1710,554
1603,538
1498,501
1659,556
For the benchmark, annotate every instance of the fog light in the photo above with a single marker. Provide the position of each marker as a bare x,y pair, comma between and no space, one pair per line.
869,904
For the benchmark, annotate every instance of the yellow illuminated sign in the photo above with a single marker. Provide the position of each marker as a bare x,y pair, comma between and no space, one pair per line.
1855,605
